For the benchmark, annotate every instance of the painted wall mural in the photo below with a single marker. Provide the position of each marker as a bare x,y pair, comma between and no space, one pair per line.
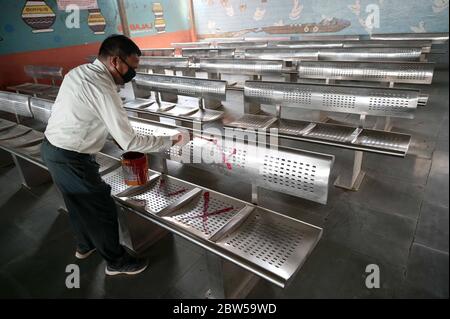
39,16
96,21
237,18
37,25
43,23
146,17
82,4
160,23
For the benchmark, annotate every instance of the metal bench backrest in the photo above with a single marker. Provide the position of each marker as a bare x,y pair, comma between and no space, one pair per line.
334,98
437,38
186,86
207,53
15,103
415,73
298,173
371,54
245,66
307,44
241,44
41,109
284,54
163,62
44,72
425,45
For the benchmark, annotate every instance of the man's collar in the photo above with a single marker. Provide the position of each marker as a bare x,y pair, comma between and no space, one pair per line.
100,64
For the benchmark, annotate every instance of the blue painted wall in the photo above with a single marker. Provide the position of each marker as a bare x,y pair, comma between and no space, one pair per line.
220,16
16,36
140,14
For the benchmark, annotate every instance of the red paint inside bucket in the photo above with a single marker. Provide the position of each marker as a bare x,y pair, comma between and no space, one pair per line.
135,168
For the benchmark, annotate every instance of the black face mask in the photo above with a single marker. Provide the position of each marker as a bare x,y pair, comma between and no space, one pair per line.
129,75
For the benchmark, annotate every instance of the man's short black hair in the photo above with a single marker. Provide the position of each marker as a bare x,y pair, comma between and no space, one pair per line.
118,45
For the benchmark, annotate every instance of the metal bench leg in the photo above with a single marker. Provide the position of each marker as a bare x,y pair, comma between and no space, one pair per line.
166,97
31,175
254,194
189,72
352,179
211,104
5,159
388,124
384,124
226,280
252,108
291,77
137,233
214,76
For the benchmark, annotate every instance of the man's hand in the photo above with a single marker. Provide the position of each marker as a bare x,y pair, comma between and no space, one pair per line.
181,139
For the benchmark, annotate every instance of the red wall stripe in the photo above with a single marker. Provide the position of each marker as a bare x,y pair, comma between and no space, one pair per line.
11,65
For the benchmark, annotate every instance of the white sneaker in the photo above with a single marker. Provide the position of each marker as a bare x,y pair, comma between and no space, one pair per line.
85,255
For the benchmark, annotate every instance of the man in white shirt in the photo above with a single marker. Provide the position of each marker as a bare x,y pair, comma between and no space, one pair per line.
86,109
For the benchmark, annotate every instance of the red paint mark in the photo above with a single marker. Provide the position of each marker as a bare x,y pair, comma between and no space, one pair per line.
205,215
162,188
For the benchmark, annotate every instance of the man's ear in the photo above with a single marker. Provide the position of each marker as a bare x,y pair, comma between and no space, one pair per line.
113,61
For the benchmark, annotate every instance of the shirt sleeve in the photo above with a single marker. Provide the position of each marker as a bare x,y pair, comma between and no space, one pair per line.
107,104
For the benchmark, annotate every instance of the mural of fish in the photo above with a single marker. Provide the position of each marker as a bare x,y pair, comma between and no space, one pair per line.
296,10
440,5
420,28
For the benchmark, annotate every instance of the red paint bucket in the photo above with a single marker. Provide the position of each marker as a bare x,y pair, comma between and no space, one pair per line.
135,168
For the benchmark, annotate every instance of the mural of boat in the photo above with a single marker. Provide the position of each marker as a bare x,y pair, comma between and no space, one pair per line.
230,34
38,15
96,21
326,25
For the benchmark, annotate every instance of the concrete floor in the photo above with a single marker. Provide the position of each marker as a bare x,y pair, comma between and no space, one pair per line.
399,220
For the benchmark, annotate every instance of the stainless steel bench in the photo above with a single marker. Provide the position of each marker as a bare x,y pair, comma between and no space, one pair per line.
37,72
390,72
245,239
346,99
158,52
209,92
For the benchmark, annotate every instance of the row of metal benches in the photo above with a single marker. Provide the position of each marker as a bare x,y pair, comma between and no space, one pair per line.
263,242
